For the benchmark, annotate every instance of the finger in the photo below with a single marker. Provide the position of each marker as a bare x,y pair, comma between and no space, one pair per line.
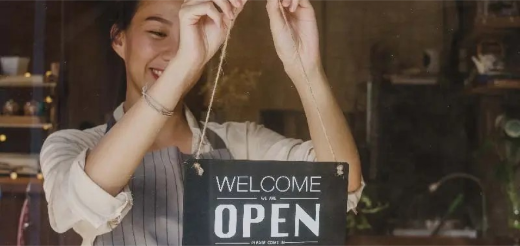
239,9
193,2
273,10
294,5
236,3
305,4
276,16
229,22
286,3
193,13
215,15
226,7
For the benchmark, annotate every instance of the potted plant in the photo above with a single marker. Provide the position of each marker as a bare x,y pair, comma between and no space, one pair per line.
504,143
367,214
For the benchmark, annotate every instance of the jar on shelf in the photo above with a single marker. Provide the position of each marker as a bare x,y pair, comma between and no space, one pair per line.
32,108
11,107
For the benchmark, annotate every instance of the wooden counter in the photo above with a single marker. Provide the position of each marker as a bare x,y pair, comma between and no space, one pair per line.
19,185
398,240
14,194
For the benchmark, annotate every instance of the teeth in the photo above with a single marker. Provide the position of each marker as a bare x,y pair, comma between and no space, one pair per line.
157,72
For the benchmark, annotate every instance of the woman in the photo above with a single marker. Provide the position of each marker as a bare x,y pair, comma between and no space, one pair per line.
121,183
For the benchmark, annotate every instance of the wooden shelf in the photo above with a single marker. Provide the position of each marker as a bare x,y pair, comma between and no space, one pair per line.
485,33
495,28
19,185
412,80
45,126
497,22
24,122
496,89
29,163
22,81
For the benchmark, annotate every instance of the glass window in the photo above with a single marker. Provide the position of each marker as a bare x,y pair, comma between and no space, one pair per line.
103,101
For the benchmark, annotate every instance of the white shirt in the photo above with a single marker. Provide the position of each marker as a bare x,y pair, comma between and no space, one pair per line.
75,201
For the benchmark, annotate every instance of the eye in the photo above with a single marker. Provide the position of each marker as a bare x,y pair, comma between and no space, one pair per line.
158,34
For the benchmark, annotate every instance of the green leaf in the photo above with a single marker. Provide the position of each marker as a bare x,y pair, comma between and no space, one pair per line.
363,224
375,209
453,206
366,201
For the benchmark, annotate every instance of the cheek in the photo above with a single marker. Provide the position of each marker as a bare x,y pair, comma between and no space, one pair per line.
142,50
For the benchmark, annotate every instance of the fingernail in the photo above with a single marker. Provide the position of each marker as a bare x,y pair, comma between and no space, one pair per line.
286,3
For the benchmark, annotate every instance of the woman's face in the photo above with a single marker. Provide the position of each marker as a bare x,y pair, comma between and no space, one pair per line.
150,41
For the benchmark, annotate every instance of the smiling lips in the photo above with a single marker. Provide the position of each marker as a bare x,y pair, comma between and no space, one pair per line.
156,73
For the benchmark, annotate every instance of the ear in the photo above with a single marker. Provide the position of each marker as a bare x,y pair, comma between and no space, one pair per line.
118,41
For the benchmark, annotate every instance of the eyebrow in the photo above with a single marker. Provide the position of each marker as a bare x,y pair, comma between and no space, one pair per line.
159,19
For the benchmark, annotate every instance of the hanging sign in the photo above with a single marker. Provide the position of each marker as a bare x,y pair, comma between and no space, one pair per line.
238,202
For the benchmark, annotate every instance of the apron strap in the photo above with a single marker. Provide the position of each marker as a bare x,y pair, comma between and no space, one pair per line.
111,122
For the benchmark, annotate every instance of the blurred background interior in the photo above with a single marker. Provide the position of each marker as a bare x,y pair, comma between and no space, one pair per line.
430,89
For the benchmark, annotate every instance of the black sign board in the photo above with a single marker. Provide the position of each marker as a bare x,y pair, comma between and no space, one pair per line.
238,202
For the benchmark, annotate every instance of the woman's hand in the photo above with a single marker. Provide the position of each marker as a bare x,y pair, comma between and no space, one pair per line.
302,23
203,28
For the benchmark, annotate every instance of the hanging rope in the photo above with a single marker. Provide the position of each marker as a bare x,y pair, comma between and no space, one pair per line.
295,43
215,83
197,166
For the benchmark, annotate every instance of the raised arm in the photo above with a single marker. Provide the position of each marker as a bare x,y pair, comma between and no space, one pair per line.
299,40
202,30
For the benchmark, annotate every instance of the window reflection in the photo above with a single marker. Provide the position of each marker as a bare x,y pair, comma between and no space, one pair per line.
428,89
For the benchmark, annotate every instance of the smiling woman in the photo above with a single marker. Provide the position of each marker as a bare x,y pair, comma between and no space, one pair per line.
121,183
155,31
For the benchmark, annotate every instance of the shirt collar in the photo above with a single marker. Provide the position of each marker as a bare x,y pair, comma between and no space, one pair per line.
192,122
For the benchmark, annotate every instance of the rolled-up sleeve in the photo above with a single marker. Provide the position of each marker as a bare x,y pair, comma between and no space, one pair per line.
252,141
354,197
74,200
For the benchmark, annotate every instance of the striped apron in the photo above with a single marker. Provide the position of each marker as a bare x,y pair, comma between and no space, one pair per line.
157,189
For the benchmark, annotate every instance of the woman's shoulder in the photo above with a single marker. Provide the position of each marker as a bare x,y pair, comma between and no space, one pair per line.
87,138
230,126
233,129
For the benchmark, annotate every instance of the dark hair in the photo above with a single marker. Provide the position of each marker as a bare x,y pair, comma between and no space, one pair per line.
124,11
121,13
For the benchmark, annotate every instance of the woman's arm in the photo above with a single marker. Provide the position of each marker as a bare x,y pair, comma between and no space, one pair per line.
114,159
301,48
202,30
334,122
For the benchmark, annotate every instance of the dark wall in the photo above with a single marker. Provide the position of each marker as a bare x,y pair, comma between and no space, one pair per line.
92,77
17,30
422,137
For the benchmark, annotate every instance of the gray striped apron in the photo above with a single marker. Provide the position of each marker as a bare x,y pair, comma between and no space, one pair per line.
157,189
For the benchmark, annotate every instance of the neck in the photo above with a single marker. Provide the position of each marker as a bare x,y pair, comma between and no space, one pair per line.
175,132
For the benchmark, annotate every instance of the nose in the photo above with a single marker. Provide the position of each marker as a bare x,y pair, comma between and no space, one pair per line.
168,53
170,50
